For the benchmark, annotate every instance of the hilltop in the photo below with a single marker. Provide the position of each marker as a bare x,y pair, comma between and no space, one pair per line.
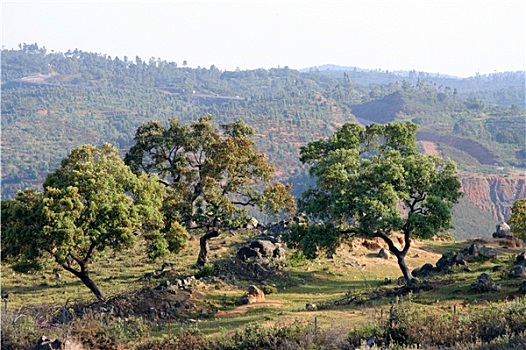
54,102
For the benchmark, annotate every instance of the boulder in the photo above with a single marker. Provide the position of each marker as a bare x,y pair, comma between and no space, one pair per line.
311,307
423,271
266,248
488,253
521,258
502,230
245,253
522,288
254,295
252,224
518,271
475,248
44,343
485,284
384,253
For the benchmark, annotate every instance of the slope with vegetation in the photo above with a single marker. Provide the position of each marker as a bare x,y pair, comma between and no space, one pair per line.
53,102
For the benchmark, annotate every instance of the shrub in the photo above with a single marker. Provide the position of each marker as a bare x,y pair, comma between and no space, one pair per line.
206,270
190,339
18,330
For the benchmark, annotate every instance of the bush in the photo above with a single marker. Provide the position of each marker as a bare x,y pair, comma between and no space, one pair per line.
18,331
189,340
206,270
105,332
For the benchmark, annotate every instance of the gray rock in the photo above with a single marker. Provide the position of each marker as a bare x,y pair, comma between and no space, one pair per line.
518,271
488,253
384,253
245,253
446,261
521,258
475,248
502,230
44,343
266,248
485,284
311,307
280,253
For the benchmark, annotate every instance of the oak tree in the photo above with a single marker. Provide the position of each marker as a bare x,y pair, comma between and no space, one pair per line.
92,203
372,182
212,175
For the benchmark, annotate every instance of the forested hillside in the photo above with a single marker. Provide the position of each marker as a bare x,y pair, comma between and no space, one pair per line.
53,102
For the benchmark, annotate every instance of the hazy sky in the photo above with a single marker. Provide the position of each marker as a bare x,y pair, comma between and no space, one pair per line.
448,37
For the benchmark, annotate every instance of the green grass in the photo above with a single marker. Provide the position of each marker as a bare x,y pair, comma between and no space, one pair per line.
355,275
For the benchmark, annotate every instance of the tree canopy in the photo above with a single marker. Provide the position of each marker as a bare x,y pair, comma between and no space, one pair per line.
92,203
518,219
212,175
372,182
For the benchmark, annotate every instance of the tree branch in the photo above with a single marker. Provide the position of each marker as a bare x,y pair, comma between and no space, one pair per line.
389,242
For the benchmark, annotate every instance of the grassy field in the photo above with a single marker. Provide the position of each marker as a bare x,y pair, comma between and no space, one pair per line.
352,289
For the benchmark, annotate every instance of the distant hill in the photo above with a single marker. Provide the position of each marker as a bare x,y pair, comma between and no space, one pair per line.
54,102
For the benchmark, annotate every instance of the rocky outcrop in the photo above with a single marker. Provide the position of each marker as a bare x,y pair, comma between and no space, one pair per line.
494,194
254,295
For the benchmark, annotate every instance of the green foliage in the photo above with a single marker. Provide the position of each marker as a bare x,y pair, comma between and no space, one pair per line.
211,176
18,330
371,182
91,204
518,219
205,271
98,331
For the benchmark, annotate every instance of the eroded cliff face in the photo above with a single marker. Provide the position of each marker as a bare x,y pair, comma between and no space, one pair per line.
494,194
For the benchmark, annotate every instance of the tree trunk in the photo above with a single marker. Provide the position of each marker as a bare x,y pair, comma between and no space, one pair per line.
400,255
88,282
83,275
204,248
405,270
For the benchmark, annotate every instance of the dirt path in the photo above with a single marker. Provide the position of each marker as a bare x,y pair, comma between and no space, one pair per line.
240,310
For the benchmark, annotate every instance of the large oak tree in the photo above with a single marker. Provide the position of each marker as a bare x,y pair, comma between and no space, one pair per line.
372,182
91,204
213,175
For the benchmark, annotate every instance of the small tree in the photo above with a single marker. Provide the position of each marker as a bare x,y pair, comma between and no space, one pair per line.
92,203
518,219
371,182
212,175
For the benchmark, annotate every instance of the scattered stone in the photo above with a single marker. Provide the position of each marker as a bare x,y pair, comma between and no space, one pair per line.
521,258
488,253
497,268
502,230
266,248
254,295
475,248
245,253
311,307
384,253
518,271
423,271
44,343
485,284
